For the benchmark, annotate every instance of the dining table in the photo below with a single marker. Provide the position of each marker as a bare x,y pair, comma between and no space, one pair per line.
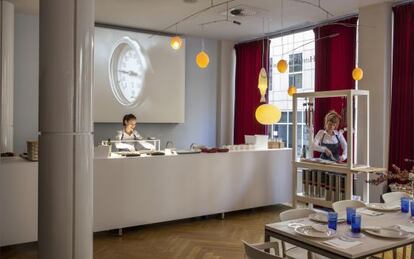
367,244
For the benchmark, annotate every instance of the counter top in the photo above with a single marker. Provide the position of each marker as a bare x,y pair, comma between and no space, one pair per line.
197,154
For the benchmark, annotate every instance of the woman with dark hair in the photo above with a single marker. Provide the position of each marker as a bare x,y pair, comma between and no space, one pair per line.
128,132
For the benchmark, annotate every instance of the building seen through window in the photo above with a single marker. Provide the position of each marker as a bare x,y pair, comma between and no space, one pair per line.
298,50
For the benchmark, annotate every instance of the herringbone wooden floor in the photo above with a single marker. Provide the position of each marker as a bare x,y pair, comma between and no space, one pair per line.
204,238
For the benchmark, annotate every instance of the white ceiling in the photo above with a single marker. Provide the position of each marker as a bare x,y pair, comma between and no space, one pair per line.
158,14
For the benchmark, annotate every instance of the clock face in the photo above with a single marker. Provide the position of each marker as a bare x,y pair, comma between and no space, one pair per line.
127,71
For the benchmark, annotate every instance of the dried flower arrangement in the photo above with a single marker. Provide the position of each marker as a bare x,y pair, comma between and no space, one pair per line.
399,176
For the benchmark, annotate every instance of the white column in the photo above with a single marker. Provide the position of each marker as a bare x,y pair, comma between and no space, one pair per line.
65,124
375,47
7,78
225,93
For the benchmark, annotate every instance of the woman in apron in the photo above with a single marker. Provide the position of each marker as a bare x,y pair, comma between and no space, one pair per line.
329,140
128,133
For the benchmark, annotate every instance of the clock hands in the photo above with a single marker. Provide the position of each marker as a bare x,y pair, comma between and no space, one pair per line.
130,73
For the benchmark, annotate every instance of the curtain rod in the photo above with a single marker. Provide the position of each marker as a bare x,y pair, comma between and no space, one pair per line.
403,2
301,28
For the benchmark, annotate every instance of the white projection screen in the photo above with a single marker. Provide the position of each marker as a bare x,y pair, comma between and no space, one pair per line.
139,74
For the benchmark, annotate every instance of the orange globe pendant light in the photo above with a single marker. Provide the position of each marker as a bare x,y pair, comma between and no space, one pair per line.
202,59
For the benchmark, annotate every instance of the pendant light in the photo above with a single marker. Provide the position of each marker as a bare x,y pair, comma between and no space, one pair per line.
176,42
268,114
263,80
357,73
282,64
202,58
262,84
291,90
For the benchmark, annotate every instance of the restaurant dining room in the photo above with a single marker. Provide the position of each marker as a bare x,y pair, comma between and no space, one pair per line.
207,129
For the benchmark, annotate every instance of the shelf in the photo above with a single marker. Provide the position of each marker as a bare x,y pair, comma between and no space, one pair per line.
300,197
324,167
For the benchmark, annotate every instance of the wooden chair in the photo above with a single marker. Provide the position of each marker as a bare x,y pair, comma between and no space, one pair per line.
340,206
256,251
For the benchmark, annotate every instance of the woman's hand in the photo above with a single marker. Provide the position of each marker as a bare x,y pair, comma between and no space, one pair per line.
328,152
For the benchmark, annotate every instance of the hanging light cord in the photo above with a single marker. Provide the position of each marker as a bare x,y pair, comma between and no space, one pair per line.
212,5
319,6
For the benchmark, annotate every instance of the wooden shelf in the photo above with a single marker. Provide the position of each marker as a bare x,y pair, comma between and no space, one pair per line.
324,167
300,197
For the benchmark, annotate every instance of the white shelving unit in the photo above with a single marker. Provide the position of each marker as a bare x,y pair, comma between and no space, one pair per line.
347,169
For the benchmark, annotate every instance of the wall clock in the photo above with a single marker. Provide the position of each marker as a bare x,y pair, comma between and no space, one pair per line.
127,69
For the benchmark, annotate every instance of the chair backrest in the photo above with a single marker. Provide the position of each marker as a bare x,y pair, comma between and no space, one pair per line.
295,214
394,196
340,206
255,253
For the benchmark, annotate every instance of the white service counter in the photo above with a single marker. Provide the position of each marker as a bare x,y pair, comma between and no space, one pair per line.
18,201
141,190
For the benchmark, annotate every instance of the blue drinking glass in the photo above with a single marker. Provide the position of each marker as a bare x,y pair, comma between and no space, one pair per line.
349,213
405,205
356,224
412,208
332,220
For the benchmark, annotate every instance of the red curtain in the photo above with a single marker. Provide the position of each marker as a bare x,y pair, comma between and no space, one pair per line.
334,62
247,97
402,108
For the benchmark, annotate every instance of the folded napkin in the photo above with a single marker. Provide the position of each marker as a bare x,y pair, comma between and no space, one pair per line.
341,244
409,229
370,212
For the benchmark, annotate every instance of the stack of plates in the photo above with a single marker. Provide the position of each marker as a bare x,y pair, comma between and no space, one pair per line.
32,150
383,206
387,232
311,231
323,217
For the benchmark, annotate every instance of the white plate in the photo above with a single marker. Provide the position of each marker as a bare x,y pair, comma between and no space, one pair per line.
323,218
386,232
383,207
309,231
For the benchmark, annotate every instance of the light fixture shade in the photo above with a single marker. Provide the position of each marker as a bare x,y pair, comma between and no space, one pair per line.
357,74
268,114
291,90
176,42
202,59
262,84
282,66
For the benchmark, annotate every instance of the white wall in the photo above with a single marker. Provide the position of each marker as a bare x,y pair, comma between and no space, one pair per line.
200,105
375,47
26,80
201,94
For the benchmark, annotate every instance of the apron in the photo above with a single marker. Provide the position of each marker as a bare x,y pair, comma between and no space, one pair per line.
334,148
122,136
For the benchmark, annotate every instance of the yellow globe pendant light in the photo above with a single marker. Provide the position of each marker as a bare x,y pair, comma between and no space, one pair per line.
202,59
357,74
291,90
282,66
262,84
268,114
176,42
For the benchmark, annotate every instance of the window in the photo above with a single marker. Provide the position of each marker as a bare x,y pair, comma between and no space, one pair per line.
295,62
296,80
299,50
